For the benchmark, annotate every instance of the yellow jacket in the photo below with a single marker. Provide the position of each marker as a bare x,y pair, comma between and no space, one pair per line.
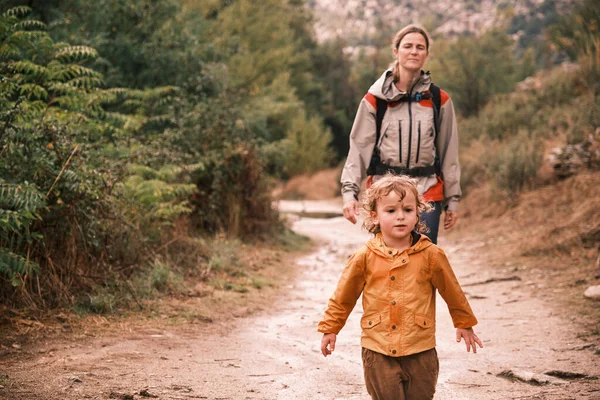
398,291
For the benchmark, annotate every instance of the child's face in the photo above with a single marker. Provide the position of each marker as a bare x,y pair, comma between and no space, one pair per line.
397,218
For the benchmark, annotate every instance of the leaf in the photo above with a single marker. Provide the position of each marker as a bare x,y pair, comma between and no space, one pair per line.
76,53
30,25
13,266
19,11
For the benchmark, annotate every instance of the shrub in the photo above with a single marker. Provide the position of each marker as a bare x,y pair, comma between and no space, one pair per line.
233,195
472,158
514,164
307,146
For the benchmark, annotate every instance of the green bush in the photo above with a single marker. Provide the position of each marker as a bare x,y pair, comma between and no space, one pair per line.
233,195
514,164
61,208
307,146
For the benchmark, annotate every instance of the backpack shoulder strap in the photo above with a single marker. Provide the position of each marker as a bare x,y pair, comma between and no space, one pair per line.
436,99
381,109
375,160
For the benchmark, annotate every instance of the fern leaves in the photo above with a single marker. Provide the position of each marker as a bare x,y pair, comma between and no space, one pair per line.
18,197
15,266
72,54
19,206
19,11
51,99
28,69
154,191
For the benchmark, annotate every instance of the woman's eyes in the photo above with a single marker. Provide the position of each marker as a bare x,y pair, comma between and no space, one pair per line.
410,47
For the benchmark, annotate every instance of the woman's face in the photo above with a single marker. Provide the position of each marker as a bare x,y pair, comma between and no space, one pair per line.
412,52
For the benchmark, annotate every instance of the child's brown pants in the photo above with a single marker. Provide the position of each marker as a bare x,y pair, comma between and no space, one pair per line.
410,377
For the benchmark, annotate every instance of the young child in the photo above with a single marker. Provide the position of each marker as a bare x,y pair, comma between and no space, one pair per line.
397,272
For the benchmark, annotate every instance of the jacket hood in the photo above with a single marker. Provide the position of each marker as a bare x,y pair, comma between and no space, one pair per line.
420,243
385,89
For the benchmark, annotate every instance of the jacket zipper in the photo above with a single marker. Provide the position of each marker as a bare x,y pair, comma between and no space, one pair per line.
409,134
381,141
400,139
418,143
410,122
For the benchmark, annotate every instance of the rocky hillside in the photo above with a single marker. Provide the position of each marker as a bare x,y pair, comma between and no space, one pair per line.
361,22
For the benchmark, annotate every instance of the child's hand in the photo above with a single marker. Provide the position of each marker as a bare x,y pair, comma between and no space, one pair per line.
328,340
470,338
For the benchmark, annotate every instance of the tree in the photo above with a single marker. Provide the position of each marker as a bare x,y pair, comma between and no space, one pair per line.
473,69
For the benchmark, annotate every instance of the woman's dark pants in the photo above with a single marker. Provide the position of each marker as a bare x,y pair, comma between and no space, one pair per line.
432,220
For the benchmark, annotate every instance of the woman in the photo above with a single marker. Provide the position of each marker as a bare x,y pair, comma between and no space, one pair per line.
415,138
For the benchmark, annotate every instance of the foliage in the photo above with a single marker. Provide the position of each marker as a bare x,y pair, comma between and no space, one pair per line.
513,127
576,31
473,69
56,125
19,209
515,164
578,35
531,29
233,196
153,196
307,146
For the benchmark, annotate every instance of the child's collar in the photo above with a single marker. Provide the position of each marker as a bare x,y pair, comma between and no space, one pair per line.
414,239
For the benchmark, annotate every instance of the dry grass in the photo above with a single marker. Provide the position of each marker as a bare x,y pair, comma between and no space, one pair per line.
321,185
550,237
199,301
544,219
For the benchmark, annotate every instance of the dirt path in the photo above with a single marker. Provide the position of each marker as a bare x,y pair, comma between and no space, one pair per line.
276,355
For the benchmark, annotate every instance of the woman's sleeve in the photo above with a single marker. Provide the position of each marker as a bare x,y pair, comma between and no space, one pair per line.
348,290
362,143
447,146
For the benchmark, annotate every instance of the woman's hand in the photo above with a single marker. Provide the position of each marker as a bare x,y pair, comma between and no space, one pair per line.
450,218
351,210
328,343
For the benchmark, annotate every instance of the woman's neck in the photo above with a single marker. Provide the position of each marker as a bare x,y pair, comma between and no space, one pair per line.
407,79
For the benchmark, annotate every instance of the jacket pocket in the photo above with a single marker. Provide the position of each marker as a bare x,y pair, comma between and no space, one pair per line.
382,134
369,321
424,136
424,321
388,146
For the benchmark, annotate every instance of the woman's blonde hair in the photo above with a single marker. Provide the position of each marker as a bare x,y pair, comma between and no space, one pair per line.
401,184
398,38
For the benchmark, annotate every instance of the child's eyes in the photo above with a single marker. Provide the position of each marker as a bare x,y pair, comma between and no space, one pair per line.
408,210
391,211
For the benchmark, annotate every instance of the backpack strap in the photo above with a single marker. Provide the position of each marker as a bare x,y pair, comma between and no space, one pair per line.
436,99
381,109
375,159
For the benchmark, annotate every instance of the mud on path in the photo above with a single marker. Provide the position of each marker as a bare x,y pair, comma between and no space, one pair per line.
275,355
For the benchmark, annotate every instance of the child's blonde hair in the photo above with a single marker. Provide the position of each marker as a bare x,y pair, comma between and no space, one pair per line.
401,184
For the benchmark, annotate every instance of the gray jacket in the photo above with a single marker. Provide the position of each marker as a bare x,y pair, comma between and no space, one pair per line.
407,138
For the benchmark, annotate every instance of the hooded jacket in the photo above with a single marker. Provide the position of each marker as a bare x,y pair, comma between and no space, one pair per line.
398,296
408,138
